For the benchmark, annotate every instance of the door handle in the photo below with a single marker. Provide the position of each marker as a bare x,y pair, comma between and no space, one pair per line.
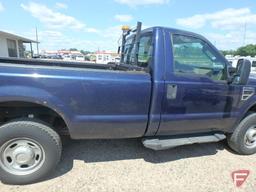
171,91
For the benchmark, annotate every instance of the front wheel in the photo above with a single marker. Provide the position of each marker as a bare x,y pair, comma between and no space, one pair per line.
243,139
29,150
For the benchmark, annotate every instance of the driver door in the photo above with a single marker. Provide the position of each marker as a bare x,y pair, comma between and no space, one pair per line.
198,97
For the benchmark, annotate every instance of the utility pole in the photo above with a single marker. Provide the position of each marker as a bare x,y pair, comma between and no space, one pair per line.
37,42
245,31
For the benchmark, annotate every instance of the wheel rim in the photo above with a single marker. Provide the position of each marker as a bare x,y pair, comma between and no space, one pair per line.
250,137
21,156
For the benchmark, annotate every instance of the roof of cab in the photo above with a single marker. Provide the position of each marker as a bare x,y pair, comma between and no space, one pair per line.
173,30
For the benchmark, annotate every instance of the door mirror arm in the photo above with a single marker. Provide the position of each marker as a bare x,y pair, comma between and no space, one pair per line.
231,73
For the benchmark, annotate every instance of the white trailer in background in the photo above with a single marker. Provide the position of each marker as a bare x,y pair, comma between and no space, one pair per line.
234,59
105,57
79,58
253,61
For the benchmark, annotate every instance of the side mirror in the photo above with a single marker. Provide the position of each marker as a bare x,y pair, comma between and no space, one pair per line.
243,70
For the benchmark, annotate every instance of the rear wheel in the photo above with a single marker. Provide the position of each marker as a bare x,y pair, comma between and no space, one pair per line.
29,150
243,140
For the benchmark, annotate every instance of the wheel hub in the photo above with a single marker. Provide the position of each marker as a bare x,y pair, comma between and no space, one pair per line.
23,154
250,137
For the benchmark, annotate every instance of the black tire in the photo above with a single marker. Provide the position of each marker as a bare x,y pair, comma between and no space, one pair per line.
237,139
42,134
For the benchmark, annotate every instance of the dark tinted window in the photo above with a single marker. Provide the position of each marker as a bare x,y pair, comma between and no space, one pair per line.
192,56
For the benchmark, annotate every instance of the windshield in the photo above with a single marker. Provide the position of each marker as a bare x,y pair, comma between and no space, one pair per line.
144,52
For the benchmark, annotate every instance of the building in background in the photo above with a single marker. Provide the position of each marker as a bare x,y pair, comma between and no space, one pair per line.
106,57
12,45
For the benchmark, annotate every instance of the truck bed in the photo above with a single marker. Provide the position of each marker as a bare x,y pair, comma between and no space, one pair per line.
55,63
95,101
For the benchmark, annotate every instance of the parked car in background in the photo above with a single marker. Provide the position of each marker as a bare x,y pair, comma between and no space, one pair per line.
54,57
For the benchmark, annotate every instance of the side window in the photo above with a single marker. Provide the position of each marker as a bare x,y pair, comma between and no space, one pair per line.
144,52
129,51
194,56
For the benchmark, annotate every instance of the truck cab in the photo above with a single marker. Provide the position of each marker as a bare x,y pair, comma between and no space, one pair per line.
192,91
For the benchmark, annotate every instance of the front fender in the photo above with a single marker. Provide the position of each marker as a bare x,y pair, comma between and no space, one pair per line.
244,108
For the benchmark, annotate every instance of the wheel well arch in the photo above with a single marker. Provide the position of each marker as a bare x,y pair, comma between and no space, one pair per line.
10,110
252,108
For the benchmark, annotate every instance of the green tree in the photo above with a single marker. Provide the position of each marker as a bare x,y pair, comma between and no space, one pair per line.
85,52
248,50
228,52
73,49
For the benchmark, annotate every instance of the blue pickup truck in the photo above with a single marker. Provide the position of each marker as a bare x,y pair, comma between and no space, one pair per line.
170,88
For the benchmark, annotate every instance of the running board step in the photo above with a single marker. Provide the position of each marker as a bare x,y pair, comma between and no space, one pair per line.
162,143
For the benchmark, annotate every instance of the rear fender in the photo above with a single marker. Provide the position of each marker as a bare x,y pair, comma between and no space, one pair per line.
37,96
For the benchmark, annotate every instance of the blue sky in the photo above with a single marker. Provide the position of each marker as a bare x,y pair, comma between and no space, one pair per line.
92,25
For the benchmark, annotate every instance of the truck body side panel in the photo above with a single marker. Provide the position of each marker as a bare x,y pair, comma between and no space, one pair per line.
94,103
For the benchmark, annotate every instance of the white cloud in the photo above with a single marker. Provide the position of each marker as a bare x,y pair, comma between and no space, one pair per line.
225,19
55,40
195,21
134,3
1,7
112,32
61,5
91,30
231,39
235,22
51,18
103,39
123,18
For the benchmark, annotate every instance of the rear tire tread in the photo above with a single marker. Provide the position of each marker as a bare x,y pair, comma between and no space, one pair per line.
49,135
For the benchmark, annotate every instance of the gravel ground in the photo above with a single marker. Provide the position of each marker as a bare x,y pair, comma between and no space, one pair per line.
125,165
